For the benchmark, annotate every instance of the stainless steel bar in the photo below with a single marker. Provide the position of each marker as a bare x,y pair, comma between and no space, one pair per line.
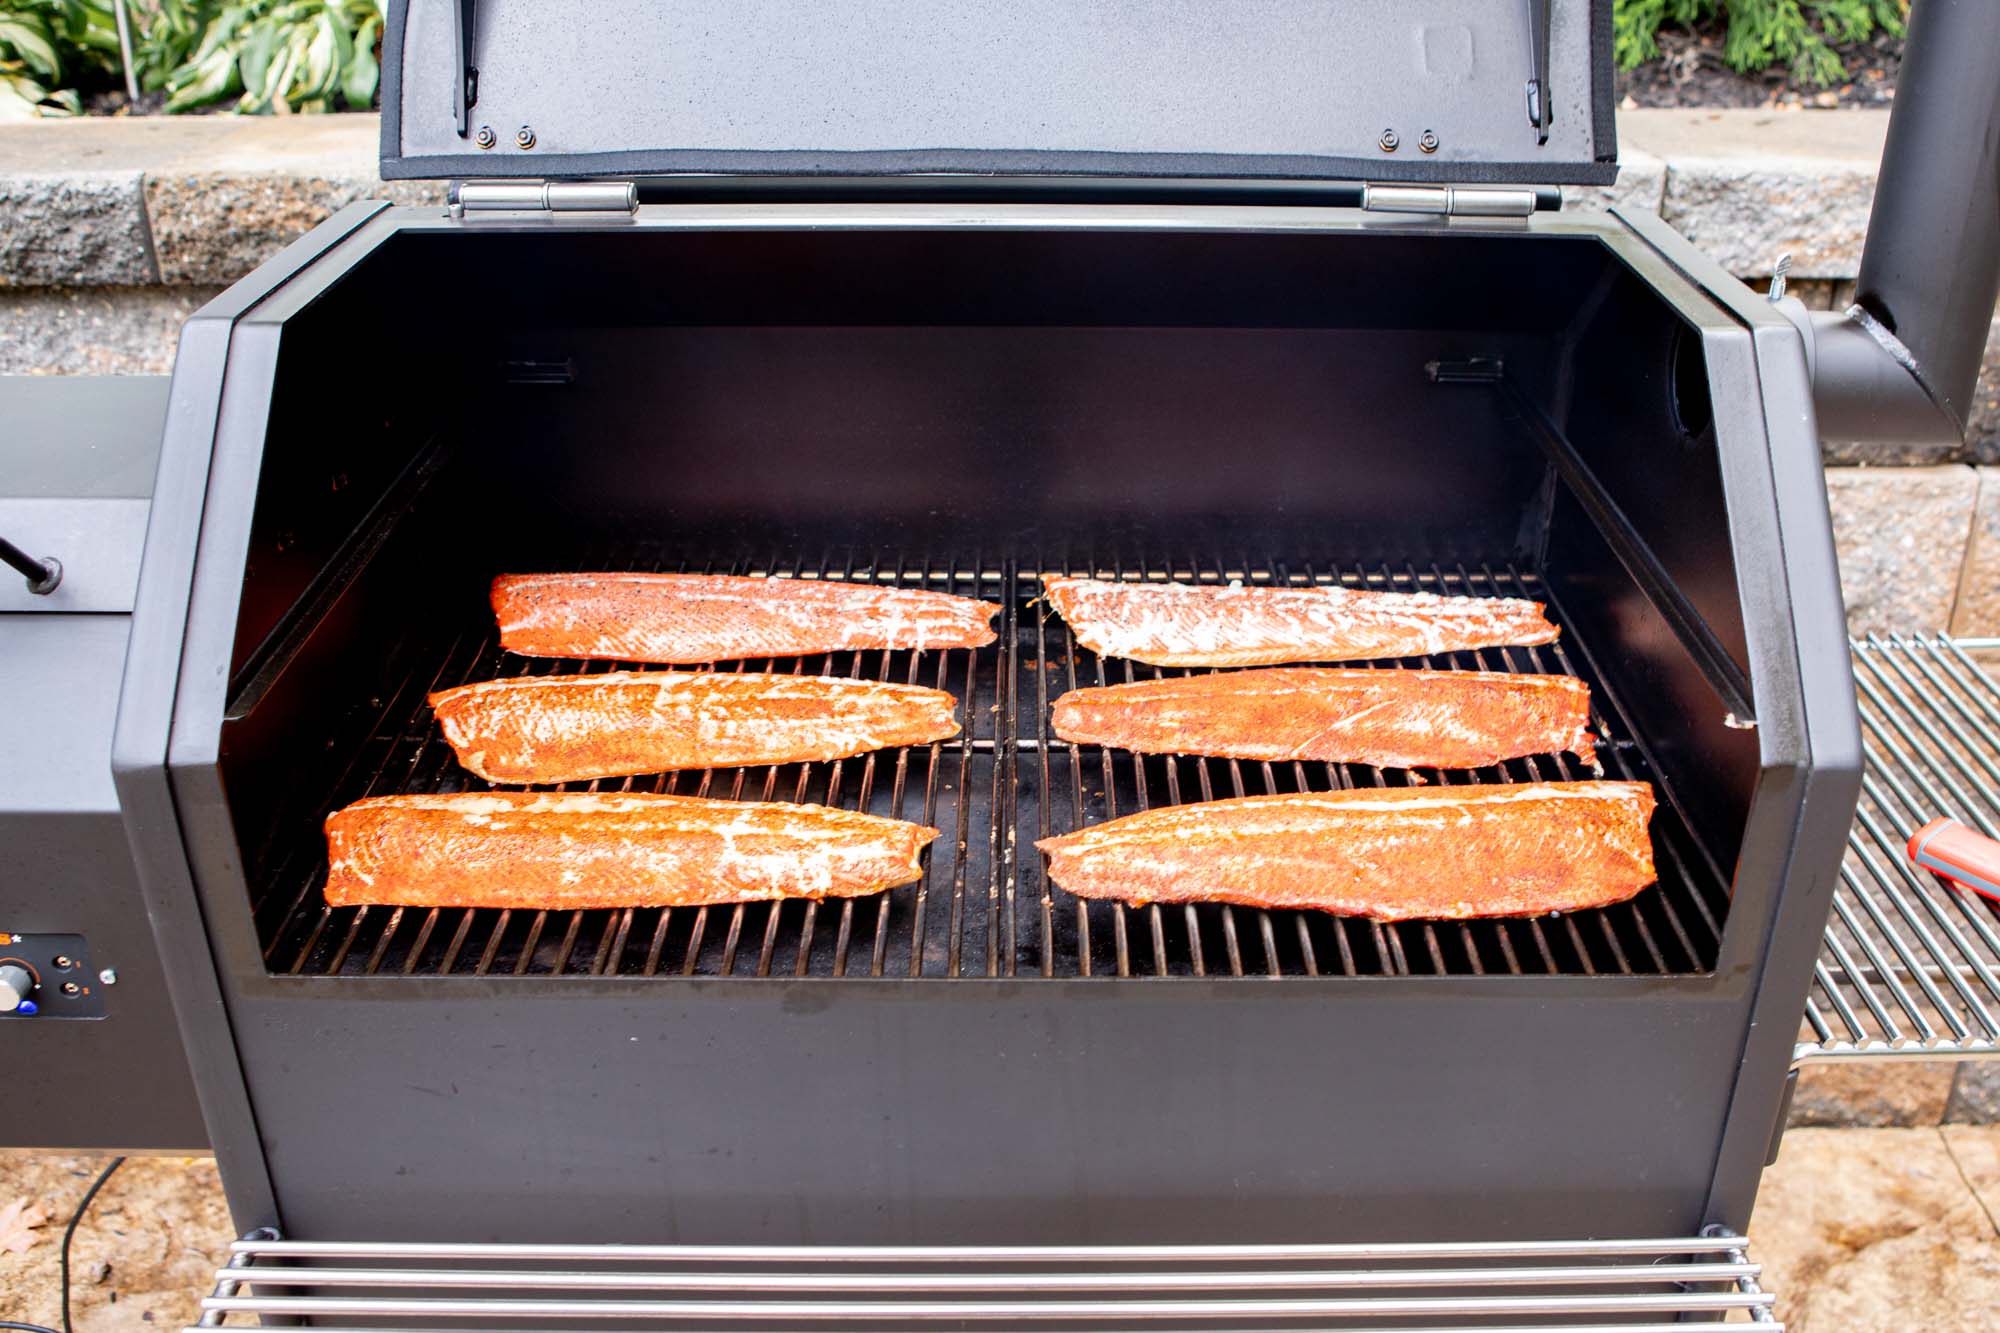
1356,1279
1069,1310
1567,1326
984,1254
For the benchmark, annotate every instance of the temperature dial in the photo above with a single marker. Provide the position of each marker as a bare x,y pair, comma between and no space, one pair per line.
17,983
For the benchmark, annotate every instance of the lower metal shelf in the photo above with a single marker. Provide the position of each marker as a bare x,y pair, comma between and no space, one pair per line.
1911,967
1628,1284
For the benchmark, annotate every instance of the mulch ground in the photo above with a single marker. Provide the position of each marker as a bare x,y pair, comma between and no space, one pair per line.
1690,73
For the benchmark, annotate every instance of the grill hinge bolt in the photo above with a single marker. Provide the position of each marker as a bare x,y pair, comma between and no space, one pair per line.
486,138
1390,143
1428,141
524,137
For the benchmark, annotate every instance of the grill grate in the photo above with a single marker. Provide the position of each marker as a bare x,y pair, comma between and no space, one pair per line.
984,906
1910,967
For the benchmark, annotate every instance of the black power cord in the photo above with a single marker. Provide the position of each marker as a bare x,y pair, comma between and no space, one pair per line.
69,1234
26,1328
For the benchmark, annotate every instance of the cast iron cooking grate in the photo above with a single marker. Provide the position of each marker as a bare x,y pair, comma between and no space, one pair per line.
984,906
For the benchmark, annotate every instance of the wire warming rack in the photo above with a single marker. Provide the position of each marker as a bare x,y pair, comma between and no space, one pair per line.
1911,967
1634,1285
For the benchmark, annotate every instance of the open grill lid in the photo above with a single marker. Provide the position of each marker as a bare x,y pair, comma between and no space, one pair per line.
1442,91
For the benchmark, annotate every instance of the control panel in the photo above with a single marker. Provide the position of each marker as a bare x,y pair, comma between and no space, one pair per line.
50,976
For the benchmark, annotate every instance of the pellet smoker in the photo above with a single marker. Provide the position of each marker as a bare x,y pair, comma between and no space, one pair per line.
937,295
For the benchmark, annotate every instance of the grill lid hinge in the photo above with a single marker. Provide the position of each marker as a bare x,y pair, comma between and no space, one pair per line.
1452,200
544,197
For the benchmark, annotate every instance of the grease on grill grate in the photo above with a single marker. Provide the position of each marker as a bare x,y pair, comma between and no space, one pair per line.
984,906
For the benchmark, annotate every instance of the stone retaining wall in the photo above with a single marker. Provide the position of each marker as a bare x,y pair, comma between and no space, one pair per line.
111,231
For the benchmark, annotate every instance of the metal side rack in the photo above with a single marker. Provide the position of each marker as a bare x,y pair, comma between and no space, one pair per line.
1519,1286
1911,966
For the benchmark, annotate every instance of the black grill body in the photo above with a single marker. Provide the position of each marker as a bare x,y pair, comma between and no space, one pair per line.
967,398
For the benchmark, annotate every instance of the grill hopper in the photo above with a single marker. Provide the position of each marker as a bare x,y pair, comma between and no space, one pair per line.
963,398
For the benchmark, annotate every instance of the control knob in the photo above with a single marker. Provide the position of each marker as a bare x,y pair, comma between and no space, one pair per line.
16,984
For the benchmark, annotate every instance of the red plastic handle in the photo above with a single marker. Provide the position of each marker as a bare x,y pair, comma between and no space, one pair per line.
1947,847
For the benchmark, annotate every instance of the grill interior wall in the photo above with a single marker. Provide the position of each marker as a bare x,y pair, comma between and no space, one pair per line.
1235,407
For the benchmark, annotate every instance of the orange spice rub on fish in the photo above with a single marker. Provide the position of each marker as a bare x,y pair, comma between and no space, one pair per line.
1392,719
565,728
1183,624
563,850
1394,854
692,618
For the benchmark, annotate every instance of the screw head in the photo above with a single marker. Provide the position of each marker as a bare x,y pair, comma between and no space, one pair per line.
524,137
109,976
63,962
1428,141
1390,143
486,138
71,988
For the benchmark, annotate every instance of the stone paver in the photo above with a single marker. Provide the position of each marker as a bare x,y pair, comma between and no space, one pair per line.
1875,1231
1976,1149
1975,1091
1977,613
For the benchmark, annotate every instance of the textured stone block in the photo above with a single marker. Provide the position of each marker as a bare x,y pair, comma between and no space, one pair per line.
1901,536
1748,185
94,330
1874,1094
1977,614
1975,1095
73,229
213,227
1982,435
1642,180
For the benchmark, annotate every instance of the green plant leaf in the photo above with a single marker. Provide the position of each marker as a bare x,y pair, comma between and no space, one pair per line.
30,40
363,74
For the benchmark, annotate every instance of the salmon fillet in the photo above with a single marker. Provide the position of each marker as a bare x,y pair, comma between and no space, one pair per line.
1392,719
561,850
1394,854
564,728
1182,624
692,618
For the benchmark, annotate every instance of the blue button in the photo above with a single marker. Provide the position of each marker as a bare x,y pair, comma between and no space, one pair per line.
27,1008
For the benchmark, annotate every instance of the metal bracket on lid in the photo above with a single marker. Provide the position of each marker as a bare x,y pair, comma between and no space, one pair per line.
465,88
1540,112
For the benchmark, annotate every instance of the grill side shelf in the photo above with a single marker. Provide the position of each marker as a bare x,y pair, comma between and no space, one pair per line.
1910,968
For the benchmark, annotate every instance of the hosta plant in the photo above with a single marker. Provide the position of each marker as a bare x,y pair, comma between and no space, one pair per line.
282,55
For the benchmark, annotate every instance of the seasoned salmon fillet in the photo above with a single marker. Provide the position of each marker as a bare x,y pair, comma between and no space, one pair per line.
561,850
691,618
1393,719
1184,624
1394,854
564,728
